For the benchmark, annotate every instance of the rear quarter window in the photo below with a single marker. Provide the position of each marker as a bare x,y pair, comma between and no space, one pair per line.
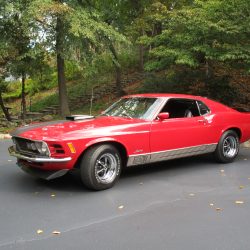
203,108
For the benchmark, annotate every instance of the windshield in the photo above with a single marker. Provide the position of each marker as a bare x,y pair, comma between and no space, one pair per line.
135,107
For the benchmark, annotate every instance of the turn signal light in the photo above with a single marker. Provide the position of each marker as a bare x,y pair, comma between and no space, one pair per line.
72,148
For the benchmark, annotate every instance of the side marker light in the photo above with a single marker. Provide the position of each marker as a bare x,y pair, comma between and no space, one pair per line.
72,148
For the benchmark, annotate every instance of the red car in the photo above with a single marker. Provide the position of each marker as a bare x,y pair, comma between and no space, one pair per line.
138,129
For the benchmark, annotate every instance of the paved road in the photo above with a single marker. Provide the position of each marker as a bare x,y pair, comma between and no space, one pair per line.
165,206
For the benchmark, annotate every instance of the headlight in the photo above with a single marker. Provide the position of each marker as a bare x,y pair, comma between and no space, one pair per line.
31,146
42,148
38,146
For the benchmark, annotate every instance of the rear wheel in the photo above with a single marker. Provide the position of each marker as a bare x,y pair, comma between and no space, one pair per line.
228,147
100,167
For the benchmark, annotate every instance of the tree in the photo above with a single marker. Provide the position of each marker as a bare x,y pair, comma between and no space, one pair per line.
4,57
71,26
15,18
7,53
203,33
131,18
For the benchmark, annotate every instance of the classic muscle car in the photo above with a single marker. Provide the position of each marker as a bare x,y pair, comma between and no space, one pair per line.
138,129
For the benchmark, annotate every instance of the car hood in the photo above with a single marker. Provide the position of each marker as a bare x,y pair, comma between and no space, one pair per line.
70,130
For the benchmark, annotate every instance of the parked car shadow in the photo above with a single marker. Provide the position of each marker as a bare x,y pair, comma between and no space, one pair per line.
71,182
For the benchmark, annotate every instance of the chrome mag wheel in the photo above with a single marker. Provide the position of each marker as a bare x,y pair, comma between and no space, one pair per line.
106,168
230,146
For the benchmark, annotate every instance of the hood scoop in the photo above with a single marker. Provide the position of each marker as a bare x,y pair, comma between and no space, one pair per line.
79,117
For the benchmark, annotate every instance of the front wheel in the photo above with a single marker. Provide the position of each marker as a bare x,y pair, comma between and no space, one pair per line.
228,147
100,167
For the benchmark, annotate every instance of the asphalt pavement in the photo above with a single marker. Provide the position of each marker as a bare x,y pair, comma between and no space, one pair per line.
192,203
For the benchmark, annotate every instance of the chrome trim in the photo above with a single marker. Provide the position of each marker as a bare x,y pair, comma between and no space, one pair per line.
170,154
164,100
14,153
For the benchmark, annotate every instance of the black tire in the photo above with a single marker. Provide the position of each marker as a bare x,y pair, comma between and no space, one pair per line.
101,167
228,147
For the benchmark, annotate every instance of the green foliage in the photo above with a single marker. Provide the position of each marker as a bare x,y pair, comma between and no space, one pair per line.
183,42
214,30
172,82
38,105
13,90
191,82
84,27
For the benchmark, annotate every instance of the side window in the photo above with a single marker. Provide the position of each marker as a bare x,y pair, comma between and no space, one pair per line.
203,108
180,108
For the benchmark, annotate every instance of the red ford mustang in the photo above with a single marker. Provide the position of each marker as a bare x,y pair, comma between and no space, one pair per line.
138,129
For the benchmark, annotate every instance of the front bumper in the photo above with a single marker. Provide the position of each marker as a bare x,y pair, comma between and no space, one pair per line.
42,174
16,154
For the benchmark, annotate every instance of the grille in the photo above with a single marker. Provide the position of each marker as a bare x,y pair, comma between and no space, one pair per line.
22,146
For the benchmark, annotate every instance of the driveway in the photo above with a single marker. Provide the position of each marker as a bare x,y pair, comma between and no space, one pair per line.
191,203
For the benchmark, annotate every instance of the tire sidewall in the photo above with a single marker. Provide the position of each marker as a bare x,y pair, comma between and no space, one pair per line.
96,153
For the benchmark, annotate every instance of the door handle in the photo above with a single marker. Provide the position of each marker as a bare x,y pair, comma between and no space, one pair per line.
202,121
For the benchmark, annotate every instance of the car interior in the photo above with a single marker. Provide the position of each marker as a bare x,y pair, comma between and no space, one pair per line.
180,108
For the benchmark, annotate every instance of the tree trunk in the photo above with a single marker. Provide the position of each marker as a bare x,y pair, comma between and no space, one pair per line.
209,71
141,53
118,71
5,111
23,103
141,58
62,88
158,28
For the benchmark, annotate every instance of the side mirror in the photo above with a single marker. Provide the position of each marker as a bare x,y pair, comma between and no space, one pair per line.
163,116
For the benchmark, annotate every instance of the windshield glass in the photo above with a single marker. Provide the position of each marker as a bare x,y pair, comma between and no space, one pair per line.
135,107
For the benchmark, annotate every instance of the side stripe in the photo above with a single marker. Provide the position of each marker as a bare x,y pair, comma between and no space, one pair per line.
170,154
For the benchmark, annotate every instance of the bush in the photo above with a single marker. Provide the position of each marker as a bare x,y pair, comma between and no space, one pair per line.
193,82
44,102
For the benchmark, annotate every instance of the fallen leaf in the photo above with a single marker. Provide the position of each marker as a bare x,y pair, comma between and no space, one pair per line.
36,193
211,204
218,209
39,231
53,195
222,170
121,207
241,187
239,202
245,159
9,160
248,178
191,195
56,232
141,183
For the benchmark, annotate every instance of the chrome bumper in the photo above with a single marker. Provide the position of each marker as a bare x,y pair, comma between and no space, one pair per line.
16,154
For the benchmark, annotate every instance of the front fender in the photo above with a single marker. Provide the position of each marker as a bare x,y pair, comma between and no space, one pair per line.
100,140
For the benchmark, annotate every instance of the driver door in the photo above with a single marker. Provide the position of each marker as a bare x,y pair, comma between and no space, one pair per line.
179,136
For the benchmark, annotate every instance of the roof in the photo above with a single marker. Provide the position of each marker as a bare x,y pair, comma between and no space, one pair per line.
166,95
213,105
